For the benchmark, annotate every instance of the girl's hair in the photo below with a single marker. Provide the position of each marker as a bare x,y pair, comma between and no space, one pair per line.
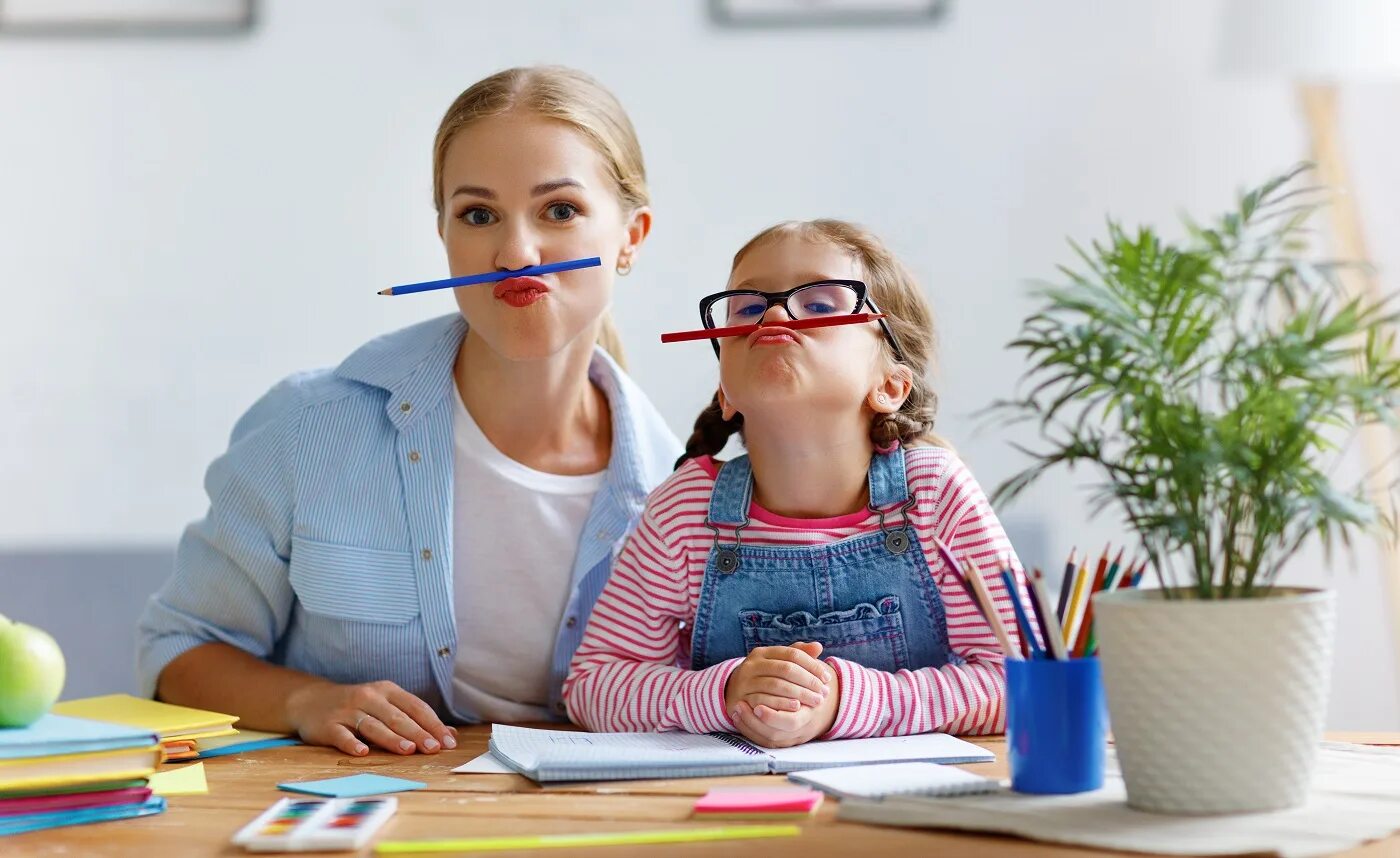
893,289
571,97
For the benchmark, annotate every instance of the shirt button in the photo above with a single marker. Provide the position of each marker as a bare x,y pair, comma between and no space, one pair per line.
406,407
413,456
445,651
427,554
573,621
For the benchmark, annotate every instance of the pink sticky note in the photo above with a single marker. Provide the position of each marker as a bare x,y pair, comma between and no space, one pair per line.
759,801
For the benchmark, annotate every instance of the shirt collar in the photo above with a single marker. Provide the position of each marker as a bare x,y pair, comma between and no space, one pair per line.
415,366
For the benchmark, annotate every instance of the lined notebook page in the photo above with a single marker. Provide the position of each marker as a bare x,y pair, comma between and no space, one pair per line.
924,747
887,779
561,755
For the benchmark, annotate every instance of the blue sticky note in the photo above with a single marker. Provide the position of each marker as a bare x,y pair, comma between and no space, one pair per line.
353,786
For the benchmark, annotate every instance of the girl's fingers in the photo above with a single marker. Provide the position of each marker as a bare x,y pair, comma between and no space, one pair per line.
778,721
805,654
774,687
773,702
375,732
792,672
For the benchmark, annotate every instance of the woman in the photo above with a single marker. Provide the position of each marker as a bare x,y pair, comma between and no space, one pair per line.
417,536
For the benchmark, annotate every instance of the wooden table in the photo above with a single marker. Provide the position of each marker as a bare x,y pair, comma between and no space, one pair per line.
494,805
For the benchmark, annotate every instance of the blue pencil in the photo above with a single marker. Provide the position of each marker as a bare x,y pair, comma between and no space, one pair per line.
1027,632
493,276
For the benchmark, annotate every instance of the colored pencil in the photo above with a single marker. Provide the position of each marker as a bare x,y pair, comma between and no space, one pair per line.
1081,640
1066,584
1137,576
493,276
1054,636
1110,581
1042,636
1074,611
979,584
958,573
745,330
1030,645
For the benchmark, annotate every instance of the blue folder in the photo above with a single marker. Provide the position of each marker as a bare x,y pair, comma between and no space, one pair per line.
54,735
60,818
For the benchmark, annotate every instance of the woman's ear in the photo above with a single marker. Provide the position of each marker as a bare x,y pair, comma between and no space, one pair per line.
638,227
889,394
726,410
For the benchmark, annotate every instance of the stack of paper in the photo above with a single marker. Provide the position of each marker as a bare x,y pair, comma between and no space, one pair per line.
68,771
753,804
180,727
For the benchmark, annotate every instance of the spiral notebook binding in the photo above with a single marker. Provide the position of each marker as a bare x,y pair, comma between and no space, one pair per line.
738,742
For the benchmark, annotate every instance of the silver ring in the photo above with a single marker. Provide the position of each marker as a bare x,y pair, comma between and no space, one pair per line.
363,716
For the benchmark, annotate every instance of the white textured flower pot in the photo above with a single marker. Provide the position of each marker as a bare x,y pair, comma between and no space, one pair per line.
1216,706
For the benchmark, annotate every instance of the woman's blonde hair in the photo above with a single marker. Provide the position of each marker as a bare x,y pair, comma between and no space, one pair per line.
572,97
893,289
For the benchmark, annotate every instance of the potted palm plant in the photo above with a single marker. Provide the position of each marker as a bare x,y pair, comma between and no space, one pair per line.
1210,384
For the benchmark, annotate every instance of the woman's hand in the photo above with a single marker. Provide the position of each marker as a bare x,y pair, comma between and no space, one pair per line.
771,728
783,678
381,713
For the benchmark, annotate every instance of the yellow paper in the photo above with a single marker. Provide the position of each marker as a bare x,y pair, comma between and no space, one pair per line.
171,722
604,838
186,780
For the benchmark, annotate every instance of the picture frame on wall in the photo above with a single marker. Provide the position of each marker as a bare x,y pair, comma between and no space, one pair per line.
98,18
827,13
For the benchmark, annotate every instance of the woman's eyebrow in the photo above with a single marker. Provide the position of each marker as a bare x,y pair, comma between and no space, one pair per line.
475,191
550,187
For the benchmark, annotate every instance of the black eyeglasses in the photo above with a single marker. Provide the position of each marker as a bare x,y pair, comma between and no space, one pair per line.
808,301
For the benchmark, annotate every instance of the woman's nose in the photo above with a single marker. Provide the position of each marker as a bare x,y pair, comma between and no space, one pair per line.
519,248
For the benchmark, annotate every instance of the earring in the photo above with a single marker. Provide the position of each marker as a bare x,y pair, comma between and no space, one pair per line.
624,266
884,400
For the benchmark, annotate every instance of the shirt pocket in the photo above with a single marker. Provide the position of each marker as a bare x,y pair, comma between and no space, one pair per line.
870,634
348,582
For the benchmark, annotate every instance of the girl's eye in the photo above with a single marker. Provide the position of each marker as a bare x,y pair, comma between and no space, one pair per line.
819,308
750,310
477,216
561,212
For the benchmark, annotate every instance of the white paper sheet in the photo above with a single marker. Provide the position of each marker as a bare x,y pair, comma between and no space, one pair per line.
486,764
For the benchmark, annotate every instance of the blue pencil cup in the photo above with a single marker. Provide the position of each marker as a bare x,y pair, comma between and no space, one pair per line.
1055,725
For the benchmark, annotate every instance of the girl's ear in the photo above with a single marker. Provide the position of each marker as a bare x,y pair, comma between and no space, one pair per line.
726,410
889,394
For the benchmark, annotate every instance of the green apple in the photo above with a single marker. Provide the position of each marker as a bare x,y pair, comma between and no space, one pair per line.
31,673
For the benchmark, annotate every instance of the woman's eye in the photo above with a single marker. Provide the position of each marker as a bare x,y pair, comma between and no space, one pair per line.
478,216
560,212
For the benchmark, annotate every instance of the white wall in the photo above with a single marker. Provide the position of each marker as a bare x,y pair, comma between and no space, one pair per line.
184,222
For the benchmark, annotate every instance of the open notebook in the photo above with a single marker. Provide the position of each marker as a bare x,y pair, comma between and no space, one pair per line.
557,755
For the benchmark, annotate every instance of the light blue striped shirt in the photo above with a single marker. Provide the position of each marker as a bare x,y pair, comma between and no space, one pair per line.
328,542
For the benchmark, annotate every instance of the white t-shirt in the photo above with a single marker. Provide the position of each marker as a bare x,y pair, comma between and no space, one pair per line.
516,531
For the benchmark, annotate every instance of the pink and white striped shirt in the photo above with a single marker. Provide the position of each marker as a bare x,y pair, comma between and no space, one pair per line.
631,671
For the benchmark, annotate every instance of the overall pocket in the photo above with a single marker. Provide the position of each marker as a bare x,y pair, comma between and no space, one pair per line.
870,634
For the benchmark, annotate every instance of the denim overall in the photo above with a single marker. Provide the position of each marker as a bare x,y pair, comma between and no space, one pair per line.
869,599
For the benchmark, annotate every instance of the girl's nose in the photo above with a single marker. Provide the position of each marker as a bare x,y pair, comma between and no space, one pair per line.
775,314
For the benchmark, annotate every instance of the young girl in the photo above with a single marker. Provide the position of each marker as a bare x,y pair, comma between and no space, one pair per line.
797,592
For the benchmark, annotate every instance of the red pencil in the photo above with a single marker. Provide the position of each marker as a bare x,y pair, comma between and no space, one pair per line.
745,330
1081,642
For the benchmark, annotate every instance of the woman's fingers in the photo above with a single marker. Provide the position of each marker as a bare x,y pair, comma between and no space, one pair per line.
376,732
426,719
375,700
338,736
